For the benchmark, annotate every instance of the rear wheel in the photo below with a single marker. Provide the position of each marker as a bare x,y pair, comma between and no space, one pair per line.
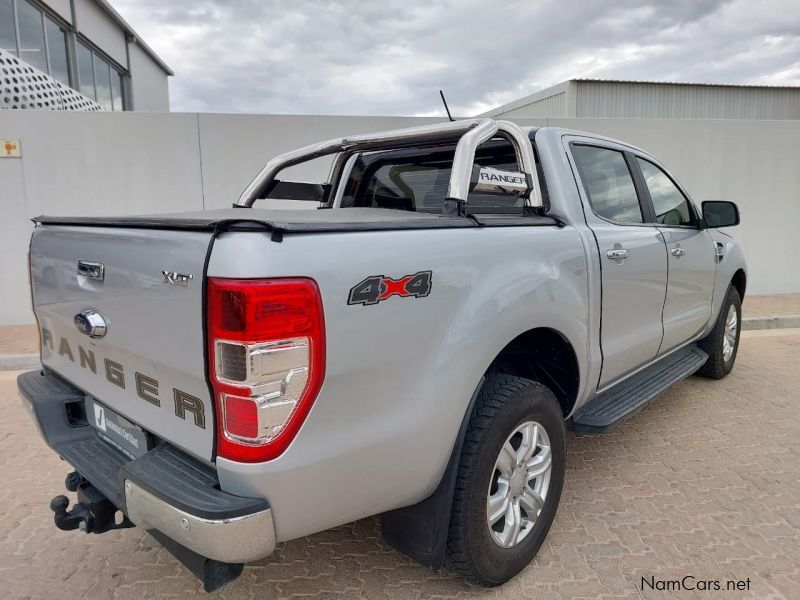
509,480
722,343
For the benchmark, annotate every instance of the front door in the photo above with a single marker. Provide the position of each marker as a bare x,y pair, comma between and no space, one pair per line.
690,254
633,258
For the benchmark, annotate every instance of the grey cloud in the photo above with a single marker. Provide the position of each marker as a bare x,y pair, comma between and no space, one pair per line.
379,57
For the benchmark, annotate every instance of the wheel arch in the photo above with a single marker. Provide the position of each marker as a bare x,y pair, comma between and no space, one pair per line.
545,355
739,281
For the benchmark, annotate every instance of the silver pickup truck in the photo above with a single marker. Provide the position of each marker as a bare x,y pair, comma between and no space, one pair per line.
415,346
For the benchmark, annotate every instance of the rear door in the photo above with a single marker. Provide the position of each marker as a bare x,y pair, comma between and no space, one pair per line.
632,255
690,255
149,366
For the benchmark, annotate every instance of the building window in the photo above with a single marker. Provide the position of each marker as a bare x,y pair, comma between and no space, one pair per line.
8,33
85,71
39,38
31,35
57,56
102,83
98,79
116,90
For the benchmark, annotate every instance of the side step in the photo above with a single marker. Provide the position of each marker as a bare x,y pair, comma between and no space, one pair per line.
609,408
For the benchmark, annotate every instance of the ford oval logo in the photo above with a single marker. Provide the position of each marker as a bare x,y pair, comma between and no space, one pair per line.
90,322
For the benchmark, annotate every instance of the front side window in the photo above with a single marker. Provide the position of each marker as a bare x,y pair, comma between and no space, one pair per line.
31,36
671,206
8,35
608,183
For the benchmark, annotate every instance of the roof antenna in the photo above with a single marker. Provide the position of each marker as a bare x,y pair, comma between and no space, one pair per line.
449,116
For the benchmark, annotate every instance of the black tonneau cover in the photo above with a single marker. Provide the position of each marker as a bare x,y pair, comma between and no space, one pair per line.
300,221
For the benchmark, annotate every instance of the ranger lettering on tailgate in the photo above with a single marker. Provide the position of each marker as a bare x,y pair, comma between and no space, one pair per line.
147,388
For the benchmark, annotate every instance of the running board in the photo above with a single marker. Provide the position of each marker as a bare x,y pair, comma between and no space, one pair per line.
612,406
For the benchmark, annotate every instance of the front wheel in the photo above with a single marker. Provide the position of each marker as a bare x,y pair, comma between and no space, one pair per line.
509,480
722,343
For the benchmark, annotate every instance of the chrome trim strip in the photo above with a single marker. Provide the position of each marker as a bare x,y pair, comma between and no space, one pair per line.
237,540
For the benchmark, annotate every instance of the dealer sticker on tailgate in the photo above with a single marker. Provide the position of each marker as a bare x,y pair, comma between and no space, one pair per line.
116,429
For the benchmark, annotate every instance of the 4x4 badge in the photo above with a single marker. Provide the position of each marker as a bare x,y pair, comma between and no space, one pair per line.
376,288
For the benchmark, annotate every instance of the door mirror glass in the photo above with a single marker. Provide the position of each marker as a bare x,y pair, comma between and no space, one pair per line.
718,213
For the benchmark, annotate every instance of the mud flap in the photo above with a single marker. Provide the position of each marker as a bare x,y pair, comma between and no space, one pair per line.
213,573
420,531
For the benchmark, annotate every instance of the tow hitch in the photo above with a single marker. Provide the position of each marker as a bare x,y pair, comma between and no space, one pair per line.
94,513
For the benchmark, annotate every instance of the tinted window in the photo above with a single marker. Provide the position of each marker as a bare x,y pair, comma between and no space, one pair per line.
31,36
670,204
57,48
608,183
8,37
421,184
85,71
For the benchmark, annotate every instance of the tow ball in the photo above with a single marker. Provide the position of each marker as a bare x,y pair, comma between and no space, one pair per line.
93,513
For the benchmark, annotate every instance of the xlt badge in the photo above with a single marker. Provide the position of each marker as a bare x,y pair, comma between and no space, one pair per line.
174,278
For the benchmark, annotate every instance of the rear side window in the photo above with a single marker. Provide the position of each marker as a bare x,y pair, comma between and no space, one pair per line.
671,206
608,183
420,184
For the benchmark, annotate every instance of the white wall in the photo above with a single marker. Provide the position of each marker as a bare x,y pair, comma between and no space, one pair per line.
125,163
62,8
149,83
100,28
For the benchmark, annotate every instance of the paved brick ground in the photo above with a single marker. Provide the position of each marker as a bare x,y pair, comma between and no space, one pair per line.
704,482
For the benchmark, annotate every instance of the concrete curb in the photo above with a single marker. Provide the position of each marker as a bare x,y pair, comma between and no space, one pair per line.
21,362
782,322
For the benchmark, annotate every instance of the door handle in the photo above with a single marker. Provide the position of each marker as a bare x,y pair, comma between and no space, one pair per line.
617,254
677,252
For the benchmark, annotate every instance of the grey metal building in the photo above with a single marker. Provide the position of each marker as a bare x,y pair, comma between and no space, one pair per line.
617,99
76,55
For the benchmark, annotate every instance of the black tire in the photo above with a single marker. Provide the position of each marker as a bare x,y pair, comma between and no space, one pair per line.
716,366
504,403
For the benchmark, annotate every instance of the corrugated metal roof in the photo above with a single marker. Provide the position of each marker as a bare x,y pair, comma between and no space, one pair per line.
619,98
693,83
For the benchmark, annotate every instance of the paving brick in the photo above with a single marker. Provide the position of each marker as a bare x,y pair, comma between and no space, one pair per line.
705,481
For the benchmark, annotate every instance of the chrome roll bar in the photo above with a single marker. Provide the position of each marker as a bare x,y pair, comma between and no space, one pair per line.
470,134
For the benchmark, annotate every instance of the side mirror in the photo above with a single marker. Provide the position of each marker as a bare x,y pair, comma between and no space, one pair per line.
718,213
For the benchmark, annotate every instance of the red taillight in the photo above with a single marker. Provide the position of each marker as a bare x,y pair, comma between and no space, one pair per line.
267,361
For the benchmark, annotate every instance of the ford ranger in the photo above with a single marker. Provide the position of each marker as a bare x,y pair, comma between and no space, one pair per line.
415,346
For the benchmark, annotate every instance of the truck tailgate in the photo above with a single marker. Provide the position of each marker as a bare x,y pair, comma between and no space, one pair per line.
150,364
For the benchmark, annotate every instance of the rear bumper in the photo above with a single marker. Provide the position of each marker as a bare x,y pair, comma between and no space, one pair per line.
164,490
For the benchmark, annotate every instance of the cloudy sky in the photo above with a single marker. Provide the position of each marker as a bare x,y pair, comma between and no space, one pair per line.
390,57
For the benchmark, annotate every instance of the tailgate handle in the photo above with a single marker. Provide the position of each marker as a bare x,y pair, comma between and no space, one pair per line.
91,270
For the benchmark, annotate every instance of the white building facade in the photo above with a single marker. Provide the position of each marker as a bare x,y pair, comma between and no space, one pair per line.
53,50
